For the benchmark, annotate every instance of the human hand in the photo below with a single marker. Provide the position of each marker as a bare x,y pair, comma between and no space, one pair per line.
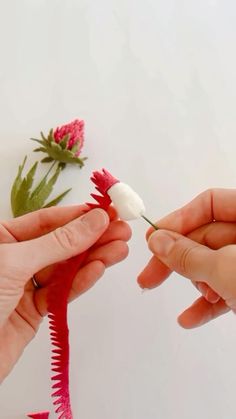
32,245
199,242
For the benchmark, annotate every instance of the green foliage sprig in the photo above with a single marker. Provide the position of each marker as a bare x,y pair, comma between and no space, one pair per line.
62,146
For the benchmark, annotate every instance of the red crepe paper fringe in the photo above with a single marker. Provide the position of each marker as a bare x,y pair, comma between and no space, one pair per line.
58,294
103,182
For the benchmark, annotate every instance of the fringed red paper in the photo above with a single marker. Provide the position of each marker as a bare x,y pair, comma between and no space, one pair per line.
58,295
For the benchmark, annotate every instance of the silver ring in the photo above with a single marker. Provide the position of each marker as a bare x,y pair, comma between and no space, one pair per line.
35,283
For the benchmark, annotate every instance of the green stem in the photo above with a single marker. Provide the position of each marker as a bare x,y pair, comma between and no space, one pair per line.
152,224
50,169
44,178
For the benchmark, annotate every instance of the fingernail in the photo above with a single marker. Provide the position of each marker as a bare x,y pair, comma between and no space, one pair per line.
95,220
161,243
144,290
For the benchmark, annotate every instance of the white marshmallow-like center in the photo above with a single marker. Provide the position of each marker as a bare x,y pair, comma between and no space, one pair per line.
126,201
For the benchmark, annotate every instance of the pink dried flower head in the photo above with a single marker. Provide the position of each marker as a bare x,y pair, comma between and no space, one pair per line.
75,130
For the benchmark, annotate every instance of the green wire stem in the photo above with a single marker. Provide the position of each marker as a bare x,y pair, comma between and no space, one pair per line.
148,221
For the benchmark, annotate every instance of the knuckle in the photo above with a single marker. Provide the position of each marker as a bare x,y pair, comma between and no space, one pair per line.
208,198
208,193
224,258
122,250
11,265
186,258
66,238
224,268
44,219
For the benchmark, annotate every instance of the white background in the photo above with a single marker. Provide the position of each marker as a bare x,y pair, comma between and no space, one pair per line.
155,82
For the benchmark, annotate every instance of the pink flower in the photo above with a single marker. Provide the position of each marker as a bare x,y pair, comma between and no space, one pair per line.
75,130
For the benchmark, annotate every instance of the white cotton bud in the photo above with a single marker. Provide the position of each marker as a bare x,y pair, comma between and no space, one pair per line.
126,201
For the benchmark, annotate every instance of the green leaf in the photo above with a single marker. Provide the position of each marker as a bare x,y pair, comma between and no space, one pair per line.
42,192
47,160
57,199
38,188
63,143
75,147
22,195
39,141
43,149
55,146
43,137
41,184
64,156
24,200
59,151
16,185
54,178
51,136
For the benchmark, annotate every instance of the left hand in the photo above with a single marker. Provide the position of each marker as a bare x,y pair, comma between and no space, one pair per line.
32,245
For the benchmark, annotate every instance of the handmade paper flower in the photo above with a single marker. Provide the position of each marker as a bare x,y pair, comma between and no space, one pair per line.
126,201
75,131
64,144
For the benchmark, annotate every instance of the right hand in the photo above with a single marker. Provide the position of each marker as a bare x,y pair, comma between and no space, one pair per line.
199,242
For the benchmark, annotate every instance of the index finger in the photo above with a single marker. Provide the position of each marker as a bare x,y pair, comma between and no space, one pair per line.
44,221
211,205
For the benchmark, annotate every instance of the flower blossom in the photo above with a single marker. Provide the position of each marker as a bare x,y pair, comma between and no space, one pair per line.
63,144
75,132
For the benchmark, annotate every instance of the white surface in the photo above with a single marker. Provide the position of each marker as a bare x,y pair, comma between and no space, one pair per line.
155,82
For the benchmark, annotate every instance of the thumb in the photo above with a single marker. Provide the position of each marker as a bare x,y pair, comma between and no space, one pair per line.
63,243
183,255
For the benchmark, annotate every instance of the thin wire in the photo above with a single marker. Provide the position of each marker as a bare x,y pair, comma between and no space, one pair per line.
148,221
